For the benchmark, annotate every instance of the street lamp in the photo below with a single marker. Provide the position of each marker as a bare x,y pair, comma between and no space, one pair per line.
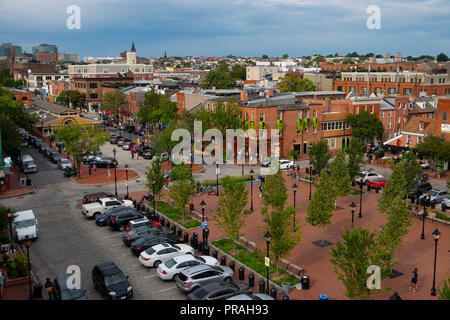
294,187
203,204
360,199
115,176
10,215
352,207
268,237
310,179
251,188
424,215
27,243
126,175
436,235
217,181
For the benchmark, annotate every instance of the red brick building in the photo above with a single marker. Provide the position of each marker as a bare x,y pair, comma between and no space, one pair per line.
443,121
47,57
374,67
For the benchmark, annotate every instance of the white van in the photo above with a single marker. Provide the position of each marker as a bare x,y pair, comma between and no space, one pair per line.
25,224
25,159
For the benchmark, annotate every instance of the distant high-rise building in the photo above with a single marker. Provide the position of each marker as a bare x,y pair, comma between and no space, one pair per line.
5,50
50,48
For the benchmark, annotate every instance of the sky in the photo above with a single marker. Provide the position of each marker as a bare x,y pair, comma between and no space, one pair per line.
248,28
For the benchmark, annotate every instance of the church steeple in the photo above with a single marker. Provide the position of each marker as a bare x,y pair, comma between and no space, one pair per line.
165,54
133,48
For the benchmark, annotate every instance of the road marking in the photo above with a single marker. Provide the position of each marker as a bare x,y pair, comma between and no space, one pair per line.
166,289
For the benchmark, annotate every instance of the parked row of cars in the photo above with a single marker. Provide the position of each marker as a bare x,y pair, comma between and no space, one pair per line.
156,246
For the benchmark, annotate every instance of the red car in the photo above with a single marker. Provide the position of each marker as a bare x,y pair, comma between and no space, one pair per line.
377,183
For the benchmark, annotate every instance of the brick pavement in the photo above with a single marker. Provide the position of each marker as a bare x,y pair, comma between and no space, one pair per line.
315,260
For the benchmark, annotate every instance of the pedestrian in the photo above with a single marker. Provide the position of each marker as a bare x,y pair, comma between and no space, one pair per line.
2,281
198,186
49,288
260,191
167,183
132,155
13,248
439,172
109,171
90,169
95,167
414,280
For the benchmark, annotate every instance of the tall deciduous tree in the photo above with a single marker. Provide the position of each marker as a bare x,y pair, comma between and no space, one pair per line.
340,175
183,187
355,151
412,169
444,292
230,215
113,101
155,177
290,83
320,208
351,259
395,187
319,155
365,126
220,78
11,138
279,218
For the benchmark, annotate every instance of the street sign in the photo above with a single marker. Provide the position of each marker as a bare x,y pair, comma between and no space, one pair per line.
203,225
217,171
267,261
138,140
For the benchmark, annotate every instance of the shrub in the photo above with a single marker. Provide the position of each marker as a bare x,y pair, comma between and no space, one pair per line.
175,214
11,269
442,216
21,265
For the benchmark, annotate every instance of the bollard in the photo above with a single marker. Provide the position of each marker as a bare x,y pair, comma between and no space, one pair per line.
138,206
134,203
206,250
251,280
368,187
285,297
377,190
179,232
433,205
273,293
162,221
262,286
223,261
186,237
443,207
200,246
168,224
241,273
174,228
214,254
232,265
194,242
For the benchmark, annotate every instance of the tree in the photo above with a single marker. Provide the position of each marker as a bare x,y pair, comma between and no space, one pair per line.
355,152
79,141
340,175
395,187
352,257
239,72
412,169
290,83
230,215
71,97
319,155
431,147
15,110
444,292
285,56
11,138
265,56
155,177
365,126
113,101
279,218
320,208
441,57
183,187
219,78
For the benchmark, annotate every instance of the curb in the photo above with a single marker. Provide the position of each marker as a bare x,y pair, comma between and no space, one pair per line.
22,194
103,184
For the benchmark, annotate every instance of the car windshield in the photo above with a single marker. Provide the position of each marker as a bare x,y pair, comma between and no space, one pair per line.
433,193
199,259
65,161
24,223
115,279
169,264
68,294
150,251
200,293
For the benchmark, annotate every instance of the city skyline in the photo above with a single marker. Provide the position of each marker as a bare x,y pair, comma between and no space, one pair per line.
240,27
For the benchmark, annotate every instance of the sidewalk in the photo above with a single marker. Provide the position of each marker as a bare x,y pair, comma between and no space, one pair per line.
15,189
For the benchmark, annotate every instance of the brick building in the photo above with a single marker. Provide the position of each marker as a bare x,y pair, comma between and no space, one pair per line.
21,95
93,87
374,67
443,121
47,57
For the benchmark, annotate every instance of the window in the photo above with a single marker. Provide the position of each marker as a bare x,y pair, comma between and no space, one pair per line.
306,114
404,106
431,80
419,139
93,96
371,109
382,114
246,116
252,117
314,113
444,116
421,126
93,85
389,125
389,114
333,143
261,117
278,115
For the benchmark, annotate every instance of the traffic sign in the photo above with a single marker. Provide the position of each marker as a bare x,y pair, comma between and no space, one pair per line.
203,225
267,261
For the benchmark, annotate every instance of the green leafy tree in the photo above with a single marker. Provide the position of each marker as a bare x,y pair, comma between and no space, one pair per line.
265,56
155,177
220,78
319,155
11,138
365,126
183,187
79,141
412,169
433,148
444,292
395,187
351,258
15,110
320,208
239,72
279,218
285,56
340,175
230,215
113,101
355,152
290,83
442,57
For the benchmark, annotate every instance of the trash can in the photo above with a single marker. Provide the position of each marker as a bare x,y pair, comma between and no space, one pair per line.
305,282
273,292
444,207
262,286
23,180
241,273
223,261
285,298
285,287
37,291
251,280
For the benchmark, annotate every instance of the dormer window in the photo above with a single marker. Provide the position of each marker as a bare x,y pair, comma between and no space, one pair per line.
421,126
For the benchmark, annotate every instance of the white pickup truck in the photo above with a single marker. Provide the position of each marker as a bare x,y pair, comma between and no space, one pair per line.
99,207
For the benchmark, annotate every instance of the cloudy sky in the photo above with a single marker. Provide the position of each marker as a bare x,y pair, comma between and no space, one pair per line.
238,27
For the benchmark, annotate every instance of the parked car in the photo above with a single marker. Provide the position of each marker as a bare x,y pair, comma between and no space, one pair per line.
218,290
93,197
113,139
145,231
193,277
25,224
365,176
146,242
111,282
55,156
100,206
286,164
425,165
47,151
170,269
102,219
127,145
104,162
145,152
30,167
155,255
251,296
24,159
120,220
446,202
436,196
420,189
62,292
377,183
133,224
64,163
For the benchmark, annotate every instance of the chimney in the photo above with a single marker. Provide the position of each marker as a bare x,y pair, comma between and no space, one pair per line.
244,96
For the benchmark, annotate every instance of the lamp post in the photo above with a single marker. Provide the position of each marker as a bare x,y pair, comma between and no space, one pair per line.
310,179
203,204
352,207
360,199
436,235
27,243
126,175
10,214
115,176
49,136
217,179
294,187
153,190
251,189
424,215
268,237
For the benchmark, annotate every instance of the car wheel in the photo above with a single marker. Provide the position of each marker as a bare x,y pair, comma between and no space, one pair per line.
122,228
175,276
227,279
96,214
156,264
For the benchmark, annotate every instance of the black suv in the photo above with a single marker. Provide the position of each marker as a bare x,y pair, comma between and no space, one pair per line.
420,189
144,231
120,220
104,162
147,241
110,281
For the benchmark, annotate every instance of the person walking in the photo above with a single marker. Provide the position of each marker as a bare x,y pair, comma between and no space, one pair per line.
49,288
132,155
167,184
90,169
414,279
2,281
94,167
